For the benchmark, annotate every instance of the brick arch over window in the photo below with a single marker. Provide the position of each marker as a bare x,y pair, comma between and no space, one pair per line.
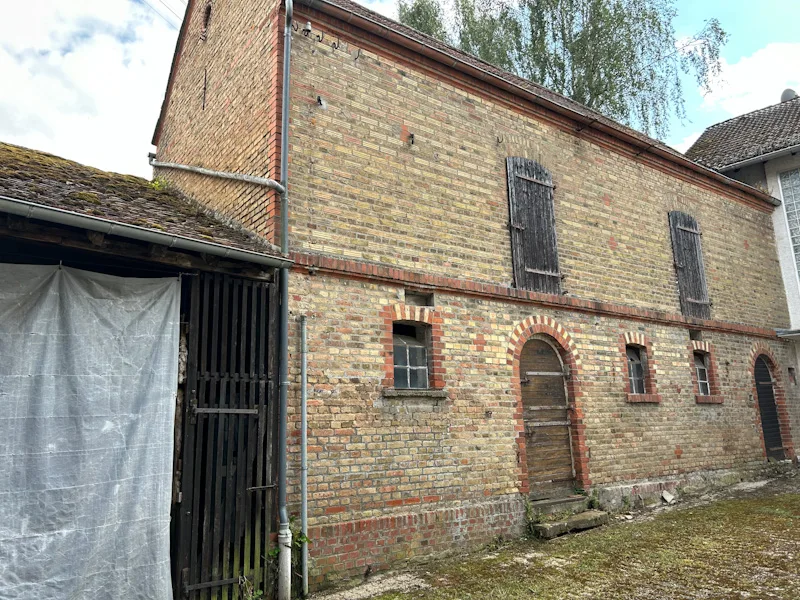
524,331
412,314
762,349
651,394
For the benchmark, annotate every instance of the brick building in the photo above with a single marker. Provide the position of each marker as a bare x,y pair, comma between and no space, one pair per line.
489,274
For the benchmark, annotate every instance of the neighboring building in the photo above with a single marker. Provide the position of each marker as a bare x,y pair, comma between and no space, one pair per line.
761,149
117,297
489,274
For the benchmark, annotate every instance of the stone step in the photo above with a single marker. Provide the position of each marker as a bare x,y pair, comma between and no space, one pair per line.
584,520
568,504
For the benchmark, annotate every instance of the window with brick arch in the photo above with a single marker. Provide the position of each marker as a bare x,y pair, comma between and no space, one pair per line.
701,368
412,355
637,368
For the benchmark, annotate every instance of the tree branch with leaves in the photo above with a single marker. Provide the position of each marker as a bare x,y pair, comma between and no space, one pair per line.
619,57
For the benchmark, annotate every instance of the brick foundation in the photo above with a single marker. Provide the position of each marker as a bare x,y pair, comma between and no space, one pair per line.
347,549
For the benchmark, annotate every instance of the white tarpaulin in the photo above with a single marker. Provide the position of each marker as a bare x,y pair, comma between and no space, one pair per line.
88,377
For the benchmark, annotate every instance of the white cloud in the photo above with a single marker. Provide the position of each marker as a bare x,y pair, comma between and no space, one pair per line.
85,80
388,8
757,80
687,142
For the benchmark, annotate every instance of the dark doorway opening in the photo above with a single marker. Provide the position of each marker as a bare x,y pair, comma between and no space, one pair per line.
768,410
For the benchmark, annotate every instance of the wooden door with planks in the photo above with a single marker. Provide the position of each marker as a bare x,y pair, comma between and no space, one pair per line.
546,415
228,462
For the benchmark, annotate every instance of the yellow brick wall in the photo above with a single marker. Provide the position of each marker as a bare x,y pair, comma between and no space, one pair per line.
366,450
372,458
237,129
361,190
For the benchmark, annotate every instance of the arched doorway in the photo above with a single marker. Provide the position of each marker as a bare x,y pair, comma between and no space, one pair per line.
546,416
768,410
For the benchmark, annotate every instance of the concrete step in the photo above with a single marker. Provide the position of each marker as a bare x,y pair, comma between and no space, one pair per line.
584,520
568,504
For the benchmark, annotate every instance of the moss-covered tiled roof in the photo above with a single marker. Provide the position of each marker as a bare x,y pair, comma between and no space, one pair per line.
55,182
748,136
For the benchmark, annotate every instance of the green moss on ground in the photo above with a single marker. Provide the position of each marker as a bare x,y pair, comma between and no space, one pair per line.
744,548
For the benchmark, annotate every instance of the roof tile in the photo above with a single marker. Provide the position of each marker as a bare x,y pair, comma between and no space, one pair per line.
747,136
55,182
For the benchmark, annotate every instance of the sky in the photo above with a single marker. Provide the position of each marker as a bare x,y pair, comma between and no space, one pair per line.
84,79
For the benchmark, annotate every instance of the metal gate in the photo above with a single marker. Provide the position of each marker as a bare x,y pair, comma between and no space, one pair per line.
228,462
768,410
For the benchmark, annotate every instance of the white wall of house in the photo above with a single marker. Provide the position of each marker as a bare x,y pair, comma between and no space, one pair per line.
781,218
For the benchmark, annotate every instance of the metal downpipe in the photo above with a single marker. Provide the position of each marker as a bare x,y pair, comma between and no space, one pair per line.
304,449
284,532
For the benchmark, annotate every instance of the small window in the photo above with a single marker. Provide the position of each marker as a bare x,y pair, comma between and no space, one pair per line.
410,356
701,367
206,22
636,369
793,375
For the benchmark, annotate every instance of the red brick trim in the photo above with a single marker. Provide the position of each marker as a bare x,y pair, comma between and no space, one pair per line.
610,137
761,349
377,272
651,395
415,314
569,355
715,395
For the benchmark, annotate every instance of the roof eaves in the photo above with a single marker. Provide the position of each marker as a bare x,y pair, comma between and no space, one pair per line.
589,118
32,210
788,334
761,158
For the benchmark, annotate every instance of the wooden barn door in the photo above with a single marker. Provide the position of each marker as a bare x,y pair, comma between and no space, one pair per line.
548,443
228,462
768,410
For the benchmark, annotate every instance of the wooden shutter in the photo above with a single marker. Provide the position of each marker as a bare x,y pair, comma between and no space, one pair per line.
688,254
533,226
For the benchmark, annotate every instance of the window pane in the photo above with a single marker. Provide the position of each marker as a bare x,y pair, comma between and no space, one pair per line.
400,356
400,377
638,371
419,379
790,186
417,357
638,386
704,388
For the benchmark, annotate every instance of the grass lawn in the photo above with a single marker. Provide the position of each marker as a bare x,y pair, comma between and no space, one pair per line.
747,547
